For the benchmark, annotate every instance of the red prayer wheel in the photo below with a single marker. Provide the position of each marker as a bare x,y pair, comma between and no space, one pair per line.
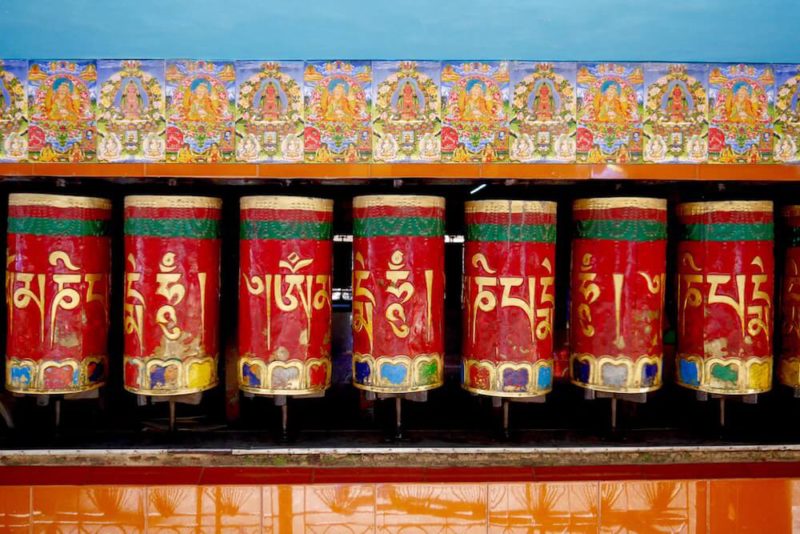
509,297
398,293
725,292
57,281
617,294
171,306
285,295
789,369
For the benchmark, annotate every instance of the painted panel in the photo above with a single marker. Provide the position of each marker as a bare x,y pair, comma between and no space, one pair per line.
406,115
787,114
676,113
13,110
740,100
269,111
542,112
338,100
61,100
475,112
200,111
130,111
610,105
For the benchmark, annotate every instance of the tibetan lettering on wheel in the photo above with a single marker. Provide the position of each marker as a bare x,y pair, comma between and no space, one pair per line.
617,297
398,293
725,291
57,278
171,301
509,296
789,370
285,295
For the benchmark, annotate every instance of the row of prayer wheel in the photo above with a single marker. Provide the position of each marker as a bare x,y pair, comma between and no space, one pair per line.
58,269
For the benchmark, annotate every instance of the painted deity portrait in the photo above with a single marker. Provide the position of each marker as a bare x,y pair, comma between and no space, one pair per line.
475,109
61,99
269,111
787,114
200,112
13,110
338,98
676,113
609,113
741,99
542,112
406,118
130,111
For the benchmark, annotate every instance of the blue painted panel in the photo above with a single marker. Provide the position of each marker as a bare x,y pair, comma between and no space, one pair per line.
588,30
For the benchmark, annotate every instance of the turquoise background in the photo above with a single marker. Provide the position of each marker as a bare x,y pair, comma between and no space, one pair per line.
668,30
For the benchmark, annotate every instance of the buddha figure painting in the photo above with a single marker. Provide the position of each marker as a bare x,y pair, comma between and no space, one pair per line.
269,111
676,113
13,110
609,108
406,115
542,125
475,112
130,111
200,111
787,114
337,97
61,100
741,99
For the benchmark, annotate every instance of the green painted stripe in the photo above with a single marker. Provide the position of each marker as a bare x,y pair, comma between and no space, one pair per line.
285,230
619,229
398,226
188,228
540,233
45,226
728,232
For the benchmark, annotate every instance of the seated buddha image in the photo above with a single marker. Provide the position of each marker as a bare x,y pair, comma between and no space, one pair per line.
62,102
338,102
610,105
474,104
742,104
270,105
677,104
200,103
131,103
407,103
543,103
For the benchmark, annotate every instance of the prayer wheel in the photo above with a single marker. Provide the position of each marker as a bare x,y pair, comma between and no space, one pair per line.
509,297
171,299
285,295
617,294
398,293
725,292
789,368
57,283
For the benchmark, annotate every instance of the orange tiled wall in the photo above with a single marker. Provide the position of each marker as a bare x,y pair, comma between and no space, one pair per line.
724,506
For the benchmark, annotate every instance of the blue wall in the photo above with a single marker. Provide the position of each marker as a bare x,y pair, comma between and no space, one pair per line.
676,30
